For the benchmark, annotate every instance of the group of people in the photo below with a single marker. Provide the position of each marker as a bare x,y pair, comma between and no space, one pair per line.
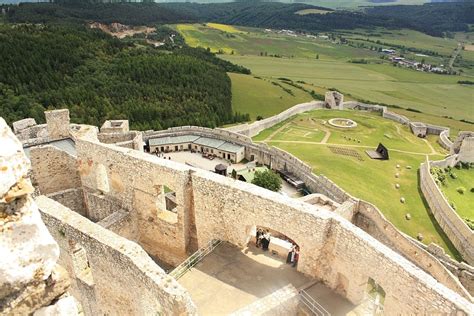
293,255
262,239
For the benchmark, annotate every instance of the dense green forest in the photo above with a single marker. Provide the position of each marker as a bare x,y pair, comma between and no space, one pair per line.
434,18
98,77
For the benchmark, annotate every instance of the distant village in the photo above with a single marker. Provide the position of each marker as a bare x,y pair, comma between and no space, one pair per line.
401,61
392,53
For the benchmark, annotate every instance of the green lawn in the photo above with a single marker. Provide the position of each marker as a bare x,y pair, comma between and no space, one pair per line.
261,97
439,95
464,202
371,180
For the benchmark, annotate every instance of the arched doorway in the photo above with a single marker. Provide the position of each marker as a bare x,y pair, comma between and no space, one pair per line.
275,243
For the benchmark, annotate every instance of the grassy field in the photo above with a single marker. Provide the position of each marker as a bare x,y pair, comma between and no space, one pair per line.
261,97
464,202
437,95
371,180
440,95
252,41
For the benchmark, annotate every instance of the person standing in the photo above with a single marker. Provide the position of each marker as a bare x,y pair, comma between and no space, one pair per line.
258,237
289,258
297,256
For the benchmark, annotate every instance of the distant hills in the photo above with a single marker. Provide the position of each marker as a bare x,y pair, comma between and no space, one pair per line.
433,19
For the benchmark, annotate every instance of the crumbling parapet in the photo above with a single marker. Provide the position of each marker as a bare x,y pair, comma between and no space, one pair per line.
29,276
334,100
58,123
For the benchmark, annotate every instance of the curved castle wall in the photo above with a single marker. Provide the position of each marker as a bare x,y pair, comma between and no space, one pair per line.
458,232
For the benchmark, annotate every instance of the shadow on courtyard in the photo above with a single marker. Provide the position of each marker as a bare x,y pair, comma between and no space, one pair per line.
230,278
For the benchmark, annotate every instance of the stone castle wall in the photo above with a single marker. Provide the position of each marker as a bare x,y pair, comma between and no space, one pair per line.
444,140
53,170
455,228
73,199
112,181
254,128
271,156
371,220
112,276
214,207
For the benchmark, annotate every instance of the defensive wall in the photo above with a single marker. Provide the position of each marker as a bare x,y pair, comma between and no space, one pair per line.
455,228
111,275
254,128
279,159
214,207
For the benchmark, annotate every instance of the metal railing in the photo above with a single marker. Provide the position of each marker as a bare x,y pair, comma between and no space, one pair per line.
312,305
194,259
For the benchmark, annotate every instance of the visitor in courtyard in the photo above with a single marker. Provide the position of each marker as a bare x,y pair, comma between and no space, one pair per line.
258,237
297,256
291,254
266,240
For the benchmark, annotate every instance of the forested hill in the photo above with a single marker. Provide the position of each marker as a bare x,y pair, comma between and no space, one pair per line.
433,19
99,77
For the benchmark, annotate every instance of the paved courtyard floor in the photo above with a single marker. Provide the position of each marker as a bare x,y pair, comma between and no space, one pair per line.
230,278
196,160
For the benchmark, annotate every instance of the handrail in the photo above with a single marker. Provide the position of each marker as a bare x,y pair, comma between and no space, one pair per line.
194,259
312,305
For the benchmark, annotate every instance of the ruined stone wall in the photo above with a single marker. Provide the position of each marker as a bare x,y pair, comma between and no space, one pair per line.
274,157
396,117
254,128
132,140
335,250
30,279
444,140
466,152
214,207
116,178
73,199
455,228
53,169
112,276
411,292
435,129
57,122
371,220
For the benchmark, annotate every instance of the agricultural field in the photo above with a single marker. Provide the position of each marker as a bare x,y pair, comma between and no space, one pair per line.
437,96
340,155
263,97
440,95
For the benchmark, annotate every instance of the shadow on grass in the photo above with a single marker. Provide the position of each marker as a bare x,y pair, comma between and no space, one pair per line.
456,255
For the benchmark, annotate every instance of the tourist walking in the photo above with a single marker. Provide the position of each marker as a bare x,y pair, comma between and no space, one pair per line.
297,256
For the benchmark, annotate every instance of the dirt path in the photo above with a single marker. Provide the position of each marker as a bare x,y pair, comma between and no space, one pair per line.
276,132
433,151
326,137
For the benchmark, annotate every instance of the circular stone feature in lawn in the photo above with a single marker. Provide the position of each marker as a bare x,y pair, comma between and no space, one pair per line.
342,123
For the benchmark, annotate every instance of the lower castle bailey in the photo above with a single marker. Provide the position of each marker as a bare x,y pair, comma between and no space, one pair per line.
104,201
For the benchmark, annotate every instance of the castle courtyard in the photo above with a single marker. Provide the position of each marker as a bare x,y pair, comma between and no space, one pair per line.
230,278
